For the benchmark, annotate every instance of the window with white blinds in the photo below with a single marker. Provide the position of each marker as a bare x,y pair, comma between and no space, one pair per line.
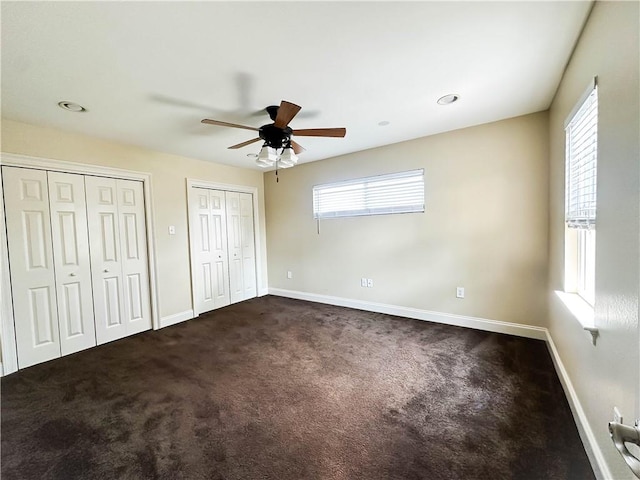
401,192
581,174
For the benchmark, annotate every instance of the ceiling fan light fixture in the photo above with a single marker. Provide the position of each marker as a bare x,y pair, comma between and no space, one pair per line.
289,156
268,155
263,164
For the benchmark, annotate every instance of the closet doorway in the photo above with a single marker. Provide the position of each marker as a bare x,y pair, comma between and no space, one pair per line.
223,233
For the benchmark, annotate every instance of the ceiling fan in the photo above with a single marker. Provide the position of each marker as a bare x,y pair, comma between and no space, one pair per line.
278,147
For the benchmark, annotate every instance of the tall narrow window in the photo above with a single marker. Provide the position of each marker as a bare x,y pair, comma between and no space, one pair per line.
401,192
580,196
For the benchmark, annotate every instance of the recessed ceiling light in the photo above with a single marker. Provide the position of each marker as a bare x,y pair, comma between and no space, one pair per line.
448,99
72,107
384,123
252,155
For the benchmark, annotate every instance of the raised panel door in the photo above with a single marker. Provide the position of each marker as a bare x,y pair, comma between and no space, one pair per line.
203,254
219,242
247,242
32,267
133,244
72,262
236,272
210,262
106,262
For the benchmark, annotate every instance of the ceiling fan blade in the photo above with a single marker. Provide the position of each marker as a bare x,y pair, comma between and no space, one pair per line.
297,148
227,124
244,144
321,132
286,112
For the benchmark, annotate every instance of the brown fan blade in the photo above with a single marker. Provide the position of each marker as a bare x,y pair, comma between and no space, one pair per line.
321,132
244,144
286,112
297,148
227,124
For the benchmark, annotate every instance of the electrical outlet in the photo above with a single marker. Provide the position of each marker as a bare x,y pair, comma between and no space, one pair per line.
617,416
363,282
289,274
172,230
459,292
369,282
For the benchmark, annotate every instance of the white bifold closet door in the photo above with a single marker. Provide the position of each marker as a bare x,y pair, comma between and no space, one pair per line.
223,248
49,259
78,261
118,257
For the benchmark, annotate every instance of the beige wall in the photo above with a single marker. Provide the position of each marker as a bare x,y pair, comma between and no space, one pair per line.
485,226
607,374
168,188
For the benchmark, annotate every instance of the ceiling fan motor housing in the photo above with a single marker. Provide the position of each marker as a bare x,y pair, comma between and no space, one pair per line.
272,110
275,137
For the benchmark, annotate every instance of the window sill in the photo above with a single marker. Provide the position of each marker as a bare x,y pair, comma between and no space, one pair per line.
581,310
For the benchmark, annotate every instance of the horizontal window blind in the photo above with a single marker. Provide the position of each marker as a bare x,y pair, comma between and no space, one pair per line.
581,174
401,192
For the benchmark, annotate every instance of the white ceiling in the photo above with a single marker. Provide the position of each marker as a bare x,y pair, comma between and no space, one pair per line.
148,72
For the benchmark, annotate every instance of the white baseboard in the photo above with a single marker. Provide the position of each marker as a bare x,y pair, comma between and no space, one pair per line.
176,318
263,291
594,453
496,326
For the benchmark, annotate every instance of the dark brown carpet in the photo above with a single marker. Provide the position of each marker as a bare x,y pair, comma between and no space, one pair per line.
281,389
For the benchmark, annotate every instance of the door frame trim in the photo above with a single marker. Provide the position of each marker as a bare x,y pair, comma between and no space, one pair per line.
7,326
192,183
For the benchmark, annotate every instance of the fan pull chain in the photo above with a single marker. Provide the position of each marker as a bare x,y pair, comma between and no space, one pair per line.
277,178
318,220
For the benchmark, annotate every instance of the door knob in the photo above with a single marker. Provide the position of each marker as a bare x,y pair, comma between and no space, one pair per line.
622,434
106,270
72,274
